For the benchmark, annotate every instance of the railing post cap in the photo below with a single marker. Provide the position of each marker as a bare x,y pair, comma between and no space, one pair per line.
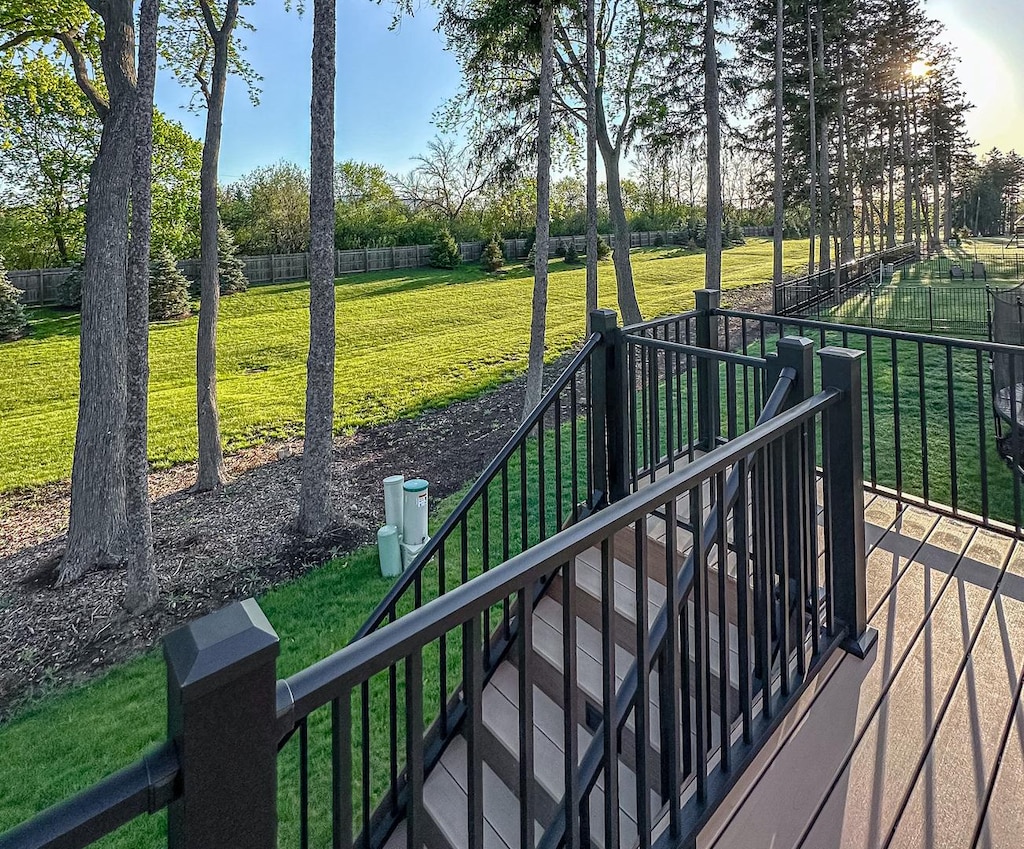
214,650
602,320
835,352
801,342
711,298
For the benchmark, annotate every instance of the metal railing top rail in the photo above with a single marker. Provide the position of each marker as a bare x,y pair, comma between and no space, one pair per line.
328,679
660,321
408,576
144,787
593,759
880,332
700,353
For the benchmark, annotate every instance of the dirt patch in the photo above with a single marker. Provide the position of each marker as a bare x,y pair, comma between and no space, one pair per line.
212,548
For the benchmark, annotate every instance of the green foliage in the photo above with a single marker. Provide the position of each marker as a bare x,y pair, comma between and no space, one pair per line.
268,210
69,292
560,249
230,269
12,314
603,249
572,256
659,240
493,257
168,287
444,253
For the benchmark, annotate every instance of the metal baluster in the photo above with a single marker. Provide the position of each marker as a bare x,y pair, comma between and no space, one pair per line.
982,427
641,702
610,735
472,652
442,579
364,720
700,645
341,770
871,409
924,419
954,484
668,680
524,513
574,460
541,483
741,543
416,815
575,814
669,414
304,784
718,501
559,495
526,721
634,460
894,356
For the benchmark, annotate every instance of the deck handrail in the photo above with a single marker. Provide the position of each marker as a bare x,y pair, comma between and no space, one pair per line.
325,680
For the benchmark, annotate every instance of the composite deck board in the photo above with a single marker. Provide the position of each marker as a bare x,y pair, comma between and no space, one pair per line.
947,799
781,799
922,743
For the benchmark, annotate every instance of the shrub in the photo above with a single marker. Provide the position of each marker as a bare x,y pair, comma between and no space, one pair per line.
493,256
168,287
444,253
531,256
69,293
560,251
659,240
603,250
230,268
572,256
12,314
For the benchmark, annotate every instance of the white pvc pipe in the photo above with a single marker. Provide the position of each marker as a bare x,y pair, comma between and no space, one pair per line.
393,502
389,551
414,512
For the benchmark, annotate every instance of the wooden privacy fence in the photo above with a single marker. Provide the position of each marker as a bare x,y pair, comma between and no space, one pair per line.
41,286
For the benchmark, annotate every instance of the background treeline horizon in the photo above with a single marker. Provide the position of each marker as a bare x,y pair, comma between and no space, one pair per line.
50,137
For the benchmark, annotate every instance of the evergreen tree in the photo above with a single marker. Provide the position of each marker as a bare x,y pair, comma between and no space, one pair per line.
69,293
493,256
572,256
230,268
12,313
168,287
603,251
444,253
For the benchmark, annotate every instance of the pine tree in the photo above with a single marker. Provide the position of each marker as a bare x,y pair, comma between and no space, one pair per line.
12,313
572,256
493,256
603,251
444,253
168,287
69,293
230,268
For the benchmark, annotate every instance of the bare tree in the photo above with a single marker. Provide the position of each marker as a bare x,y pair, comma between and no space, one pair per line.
446,180
143,587
315,514
538,320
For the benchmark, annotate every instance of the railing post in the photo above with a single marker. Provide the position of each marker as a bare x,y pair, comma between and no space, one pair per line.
611,424
843,447
222,717
709,413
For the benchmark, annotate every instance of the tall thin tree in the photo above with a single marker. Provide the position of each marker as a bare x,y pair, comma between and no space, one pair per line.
813,125
315,513
538,318
143,588
713,112
591,141
778,193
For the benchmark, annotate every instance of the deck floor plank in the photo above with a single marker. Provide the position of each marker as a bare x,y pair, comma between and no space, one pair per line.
786,793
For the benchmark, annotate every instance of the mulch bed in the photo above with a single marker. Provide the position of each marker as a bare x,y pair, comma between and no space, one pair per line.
212,548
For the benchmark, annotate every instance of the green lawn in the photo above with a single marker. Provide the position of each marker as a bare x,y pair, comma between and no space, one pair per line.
406,342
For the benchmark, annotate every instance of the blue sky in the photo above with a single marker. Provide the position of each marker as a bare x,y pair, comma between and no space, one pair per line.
391,82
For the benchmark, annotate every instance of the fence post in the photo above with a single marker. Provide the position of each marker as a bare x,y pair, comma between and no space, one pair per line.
709,413
842,449
611,425
222,717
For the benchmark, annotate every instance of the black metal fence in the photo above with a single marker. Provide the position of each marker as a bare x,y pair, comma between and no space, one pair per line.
960,311
808,294
932,432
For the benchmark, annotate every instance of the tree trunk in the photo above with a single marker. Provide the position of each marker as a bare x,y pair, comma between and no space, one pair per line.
846,227
97,524
908,177
947,223
778,192
890,227
713,252
591,83
211,456
143,587
936,203
825,167
813,159
629,309
538,319
315,515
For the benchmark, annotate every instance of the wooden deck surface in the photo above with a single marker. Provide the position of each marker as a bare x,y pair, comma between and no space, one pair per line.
921,744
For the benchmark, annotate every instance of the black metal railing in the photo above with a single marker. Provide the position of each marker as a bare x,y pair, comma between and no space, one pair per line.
371,721
760,560
816,292
932,434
